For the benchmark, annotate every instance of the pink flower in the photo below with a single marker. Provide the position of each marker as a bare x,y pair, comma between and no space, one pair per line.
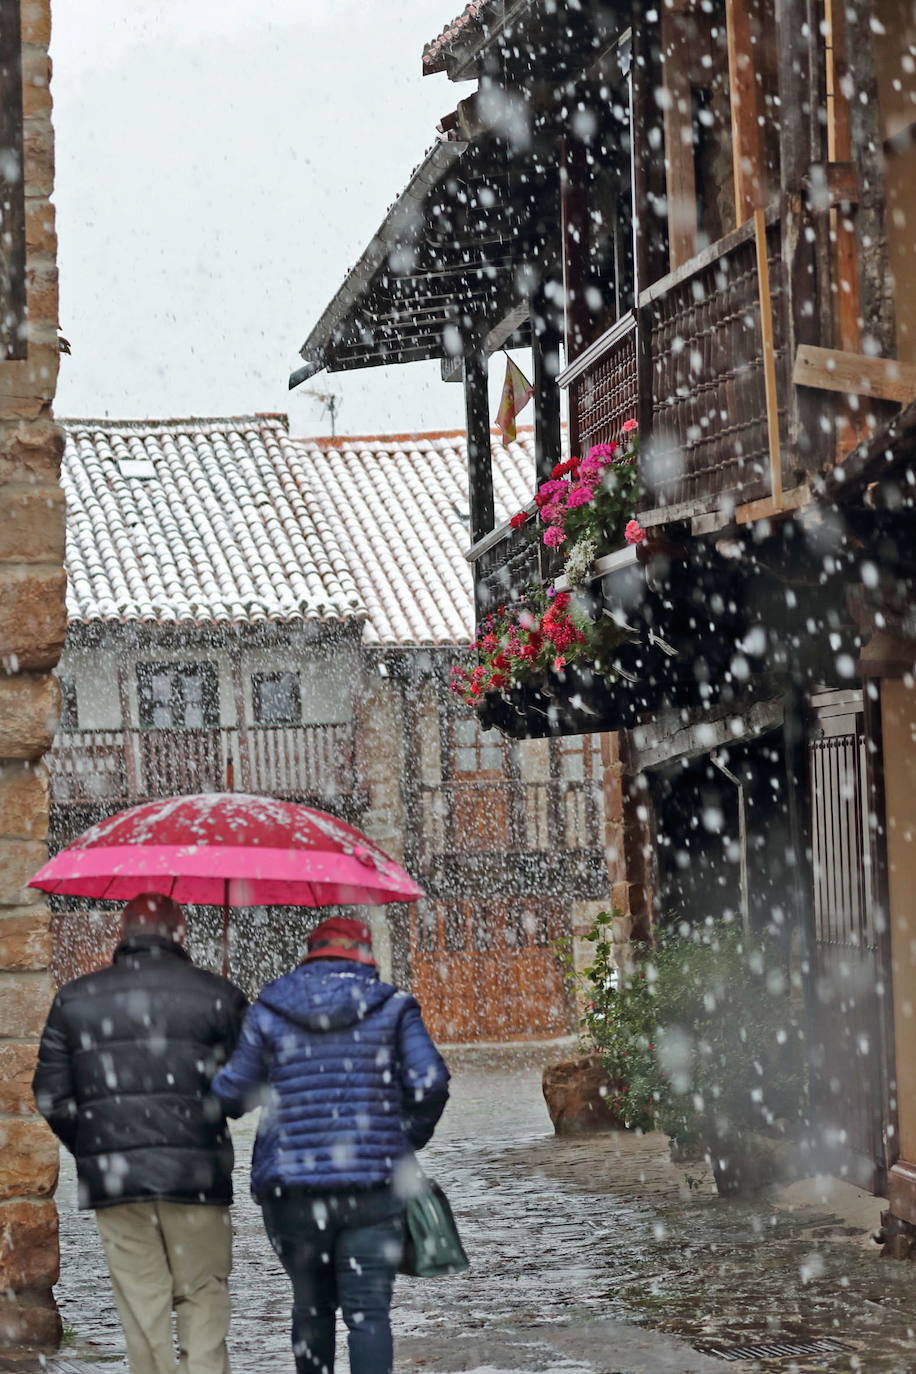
580,496
559,663
552,513
601,453
634,533
629,426
554,537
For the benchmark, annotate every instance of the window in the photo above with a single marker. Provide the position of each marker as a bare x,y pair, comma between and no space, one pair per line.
177,696
12,190
474,752
455,928
427,928
276,698
69,714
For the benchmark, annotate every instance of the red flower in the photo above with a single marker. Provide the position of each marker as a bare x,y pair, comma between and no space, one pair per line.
563,469
519,520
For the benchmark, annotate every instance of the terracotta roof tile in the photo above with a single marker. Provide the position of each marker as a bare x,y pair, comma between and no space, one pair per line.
233,521
434,52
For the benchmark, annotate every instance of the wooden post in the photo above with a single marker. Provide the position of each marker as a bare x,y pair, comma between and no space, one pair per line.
679,159
647,263
747,146
575,238
545,354
806,314
769,357
477,413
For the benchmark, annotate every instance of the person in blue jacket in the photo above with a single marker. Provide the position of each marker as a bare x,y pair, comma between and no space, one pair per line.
350,1084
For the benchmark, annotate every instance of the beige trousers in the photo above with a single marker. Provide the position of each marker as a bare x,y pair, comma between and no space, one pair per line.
166,1256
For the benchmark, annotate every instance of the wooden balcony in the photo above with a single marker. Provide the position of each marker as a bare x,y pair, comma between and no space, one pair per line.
120,767
703,365
691,366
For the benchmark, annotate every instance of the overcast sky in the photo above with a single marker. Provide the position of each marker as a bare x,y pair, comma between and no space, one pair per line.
220,165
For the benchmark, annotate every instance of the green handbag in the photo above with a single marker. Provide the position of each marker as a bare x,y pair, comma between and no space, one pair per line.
432,1244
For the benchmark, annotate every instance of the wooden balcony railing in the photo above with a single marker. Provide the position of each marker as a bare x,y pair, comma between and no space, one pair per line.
503,816
709,417
123,766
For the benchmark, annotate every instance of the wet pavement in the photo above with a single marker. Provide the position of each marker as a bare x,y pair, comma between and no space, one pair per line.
595,1255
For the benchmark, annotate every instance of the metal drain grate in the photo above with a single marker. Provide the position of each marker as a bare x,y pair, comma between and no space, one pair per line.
774,1350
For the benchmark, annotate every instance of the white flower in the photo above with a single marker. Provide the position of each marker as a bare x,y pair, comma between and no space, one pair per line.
581,557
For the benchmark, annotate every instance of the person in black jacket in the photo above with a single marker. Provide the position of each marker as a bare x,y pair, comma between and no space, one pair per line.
124,1071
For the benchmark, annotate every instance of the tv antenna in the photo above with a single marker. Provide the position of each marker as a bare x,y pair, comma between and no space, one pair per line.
330,403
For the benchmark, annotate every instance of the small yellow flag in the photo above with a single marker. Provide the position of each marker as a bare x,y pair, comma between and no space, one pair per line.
517,392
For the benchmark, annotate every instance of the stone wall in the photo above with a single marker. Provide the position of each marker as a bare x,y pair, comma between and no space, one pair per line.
32,627
628,851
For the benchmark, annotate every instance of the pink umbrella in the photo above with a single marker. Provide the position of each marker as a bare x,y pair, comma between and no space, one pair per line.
229,849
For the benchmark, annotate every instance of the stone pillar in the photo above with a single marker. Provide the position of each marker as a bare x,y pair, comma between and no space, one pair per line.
32,628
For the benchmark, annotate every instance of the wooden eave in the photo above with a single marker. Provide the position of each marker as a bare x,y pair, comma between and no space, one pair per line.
431,265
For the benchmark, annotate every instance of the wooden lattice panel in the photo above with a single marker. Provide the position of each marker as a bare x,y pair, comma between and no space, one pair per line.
505,571
708,394
606,395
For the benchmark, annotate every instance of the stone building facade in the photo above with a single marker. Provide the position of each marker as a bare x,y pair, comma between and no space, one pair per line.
32,629
253,610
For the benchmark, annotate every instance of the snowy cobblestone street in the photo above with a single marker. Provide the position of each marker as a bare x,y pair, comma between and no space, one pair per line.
589,1255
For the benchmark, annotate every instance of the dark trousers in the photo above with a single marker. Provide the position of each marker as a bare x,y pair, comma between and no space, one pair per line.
340,1250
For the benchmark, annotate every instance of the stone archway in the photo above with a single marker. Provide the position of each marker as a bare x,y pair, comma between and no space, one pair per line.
32,628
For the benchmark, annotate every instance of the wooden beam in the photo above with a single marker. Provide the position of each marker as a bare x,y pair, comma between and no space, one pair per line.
794,499
680,169
747,144
854,374
477,413
545,355
769,354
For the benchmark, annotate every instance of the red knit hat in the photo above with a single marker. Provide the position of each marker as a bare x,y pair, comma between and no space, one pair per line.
340,937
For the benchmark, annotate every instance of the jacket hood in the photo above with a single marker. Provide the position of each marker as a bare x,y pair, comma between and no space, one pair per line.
327,994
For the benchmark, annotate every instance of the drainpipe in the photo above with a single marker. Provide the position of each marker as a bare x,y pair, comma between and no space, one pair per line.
742,842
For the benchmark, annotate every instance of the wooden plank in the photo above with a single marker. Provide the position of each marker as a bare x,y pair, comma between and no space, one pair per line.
747,146
680,169
769,354
796,498
598,350
854,374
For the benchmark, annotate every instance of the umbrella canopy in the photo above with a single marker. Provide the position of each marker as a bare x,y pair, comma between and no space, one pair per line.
226,848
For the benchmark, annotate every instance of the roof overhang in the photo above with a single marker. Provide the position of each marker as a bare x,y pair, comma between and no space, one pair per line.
454,247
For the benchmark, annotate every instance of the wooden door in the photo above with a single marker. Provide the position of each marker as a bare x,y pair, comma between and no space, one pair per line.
489,970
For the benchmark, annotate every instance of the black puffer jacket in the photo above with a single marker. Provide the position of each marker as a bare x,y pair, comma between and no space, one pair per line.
124,1073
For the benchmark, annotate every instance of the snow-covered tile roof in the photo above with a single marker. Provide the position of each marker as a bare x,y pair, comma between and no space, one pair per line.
232,521
399,505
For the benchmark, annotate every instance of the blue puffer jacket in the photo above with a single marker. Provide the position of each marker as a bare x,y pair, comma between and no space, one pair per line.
348,1076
